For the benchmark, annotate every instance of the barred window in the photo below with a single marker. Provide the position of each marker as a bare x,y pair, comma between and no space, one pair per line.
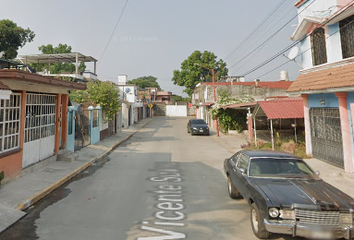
319,52
347,36
10,123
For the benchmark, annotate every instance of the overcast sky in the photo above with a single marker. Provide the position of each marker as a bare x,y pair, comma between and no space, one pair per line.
154,37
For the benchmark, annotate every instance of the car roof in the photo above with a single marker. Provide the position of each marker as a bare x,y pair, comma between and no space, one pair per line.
269,154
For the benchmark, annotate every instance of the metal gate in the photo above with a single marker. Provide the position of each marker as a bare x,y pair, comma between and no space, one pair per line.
82,129
39,128
326,135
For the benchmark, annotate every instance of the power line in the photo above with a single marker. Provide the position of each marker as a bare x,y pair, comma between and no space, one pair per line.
121,14
251,55
308,49
256,29
295,43
268,39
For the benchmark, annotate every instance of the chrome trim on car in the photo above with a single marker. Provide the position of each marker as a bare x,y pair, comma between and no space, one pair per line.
307,231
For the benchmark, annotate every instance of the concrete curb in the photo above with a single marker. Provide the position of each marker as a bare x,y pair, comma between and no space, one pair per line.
40,194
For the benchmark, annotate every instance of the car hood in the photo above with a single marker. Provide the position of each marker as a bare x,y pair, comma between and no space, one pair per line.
309,194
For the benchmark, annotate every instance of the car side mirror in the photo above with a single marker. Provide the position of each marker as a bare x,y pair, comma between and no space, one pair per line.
243,171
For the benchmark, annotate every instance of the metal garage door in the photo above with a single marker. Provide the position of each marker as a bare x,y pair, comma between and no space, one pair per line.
326,135
39,128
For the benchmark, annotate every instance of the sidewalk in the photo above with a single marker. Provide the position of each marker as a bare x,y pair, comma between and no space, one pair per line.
21,193
331,174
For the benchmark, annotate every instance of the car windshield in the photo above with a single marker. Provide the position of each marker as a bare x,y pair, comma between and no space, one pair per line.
198,121
288,168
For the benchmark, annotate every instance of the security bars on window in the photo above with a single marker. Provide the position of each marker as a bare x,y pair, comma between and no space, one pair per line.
10,123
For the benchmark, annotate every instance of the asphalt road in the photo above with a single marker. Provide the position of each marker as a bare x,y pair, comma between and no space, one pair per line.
162,182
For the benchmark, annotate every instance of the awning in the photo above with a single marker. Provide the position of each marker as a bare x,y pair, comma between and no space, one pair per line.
239,105
56,58
280,109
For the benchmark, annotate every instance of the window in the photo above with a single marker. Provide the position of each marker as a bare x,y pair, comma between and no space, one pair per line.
347,36
319,52
10,123
243,162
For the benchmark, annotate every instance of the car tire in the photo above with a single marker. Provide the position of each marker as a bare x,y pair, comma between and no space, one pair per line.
233,192
257,223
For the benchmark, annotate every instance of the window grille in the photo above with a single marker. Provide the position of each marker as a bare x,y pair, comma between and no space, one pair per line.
347,36
10,123
319,52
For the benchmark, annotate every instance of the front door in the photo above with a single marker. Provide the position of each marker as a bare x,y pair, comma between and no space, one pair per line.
39,128
326,135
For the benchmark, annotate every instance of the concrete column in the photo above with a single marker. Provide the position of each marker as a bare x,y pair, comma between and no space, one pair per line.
64,128
345,128
307,125
250,129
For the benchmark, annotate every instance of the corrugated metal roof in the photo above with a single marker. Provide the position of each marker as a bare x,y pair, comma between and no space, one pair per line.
335,77
283,109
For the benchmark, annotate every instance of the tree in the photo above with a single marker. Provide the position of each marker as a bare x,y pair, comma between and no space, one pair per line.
233,119
178,98
58,68
99,93
12,37
190,74
146,81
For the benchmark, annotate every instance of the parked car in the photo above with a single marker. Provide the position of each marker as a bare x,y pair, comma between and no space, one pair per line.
197,126
287,197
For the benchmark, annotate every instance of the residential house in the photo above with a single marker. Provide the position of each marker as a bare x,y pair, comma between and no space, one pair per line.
131,106
33,118
325,33
203,95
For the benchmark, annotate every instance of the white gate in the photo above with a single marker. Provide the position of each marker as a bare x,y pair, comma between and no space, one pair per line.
39,128
176,110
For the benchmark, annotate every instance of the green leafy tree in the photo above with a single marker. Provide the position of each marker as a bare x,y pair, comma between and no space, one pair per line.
232,119
190,74
99,93
58,68
12,37
178,98
144,82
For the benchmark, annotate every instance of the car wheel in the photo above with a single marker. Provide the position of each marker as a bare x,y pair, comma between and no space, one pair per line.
233,192
257,223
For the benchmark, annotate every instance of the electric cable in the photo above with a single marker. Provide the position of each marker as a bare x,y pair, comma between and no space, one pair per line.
290,46
114,30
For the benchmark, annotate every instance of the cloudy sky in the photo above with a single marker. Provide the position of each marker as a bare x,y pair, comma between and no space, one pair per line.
154,37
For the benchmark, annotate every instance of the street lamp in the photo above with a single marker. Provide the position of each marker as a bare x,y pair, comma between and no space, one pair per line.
212,71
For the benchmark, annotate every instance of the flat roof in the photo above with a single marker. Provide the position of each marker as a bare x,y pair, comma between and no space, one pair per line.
56,58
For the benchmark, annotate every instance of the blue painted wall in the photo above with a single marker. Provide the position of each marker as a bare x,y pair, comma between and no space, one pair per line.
330,99
95,131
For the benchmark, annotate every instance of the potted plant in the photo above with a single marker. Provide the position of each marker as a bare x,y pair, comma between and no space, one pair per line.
2,176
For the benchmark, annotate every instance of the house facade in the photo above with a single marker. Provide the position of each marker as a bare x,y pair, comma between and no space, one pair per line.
203,94
33,119
326,83
132,107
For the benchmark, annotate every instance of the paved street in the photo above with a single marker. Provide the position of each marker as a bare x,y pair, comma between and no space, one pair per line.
161,182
